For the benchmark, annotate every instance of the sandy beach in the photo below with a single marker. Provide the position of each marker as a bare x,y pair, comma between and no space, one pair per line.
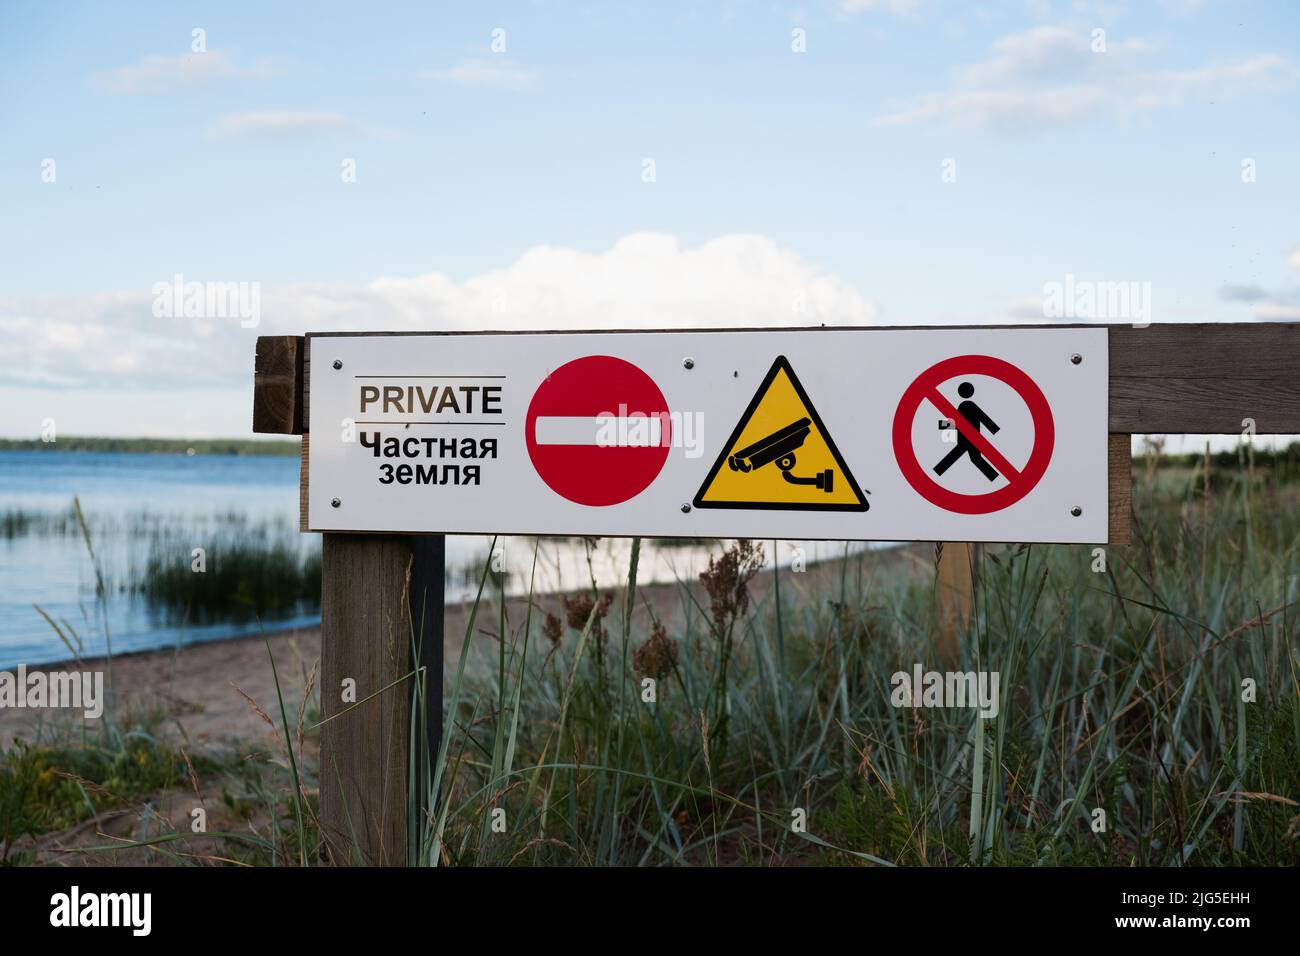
219,699
203,690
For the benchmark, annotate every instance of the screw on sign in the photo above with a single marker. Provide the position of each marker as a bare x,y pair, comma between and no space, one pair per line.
973,443
598,430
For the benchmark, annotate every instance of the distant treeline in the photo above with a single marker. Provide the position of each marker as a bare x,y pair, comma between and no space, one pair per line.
161,446
1286,460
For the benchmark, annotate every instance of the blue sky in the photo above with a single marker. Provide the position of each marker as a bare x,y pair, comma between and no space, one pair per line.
520,173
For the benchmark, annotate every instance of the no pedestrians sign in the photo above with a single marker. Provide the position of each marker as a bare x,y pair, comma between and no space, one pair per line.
974,433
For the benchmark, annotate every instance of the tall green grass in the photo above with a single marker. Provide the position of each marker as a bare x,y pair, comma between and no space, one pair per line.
78,772
75,772
772,739
243,578
1121,691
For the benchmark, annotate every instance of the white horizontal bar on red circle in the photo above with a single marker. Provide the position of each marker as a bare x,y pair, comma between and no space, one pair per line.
611,431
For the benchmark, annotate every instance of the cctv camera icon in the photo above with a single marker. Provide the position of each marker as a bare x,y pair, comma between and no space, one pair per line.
780,447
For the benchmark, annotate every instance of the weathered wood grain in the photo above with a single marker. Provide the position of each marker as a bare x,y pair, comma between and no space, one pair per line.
428,590
304,479
1205,378
306,385
1119,492
365,636
278,386
955,575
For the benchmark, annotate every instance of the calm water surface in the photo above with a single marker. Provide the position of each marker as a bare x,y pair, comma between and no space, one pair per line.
140,504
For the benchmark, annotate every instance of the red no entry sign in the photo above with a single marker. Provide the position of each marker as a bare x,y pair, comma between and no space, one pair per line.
1020,481
598,430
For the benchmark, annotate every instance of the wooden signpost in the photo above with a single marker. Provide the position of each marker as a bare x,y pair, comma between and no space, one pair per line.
951,435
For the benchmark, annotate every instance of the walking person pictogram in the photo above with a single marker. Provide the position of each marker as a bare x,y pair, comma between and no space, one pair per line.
976,416
1019,477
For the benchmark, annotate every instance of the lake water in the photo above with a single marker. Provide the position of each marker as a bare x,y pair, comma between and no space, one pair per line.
140,504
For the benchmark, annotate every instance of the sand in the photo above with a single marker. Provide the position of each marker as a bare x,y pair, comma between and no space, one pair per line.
197,688
219,699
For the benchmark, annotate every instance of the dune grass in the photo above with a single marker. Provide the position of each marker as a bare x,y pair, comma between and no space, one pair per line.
77,772
1155,684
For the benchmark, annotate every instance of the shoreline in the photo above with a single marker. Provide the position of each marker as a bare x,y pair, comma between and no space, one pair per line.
201,692
456,610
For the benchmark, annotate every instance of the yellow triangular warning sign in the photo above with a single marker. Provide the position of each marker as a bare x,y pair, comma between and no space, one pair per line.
780,456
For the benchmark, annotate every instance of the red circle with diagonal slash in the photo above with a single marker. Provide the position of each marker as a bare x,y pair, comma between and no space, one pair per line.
1019,481
598,474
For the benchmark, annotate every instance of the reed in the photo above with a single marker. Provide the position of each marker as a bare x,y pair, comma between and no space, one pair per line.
1121,691
242,579
1157,683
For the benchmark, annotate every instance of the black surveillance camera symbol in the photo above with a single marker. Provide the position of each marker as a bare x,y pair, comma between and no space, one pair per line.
779,447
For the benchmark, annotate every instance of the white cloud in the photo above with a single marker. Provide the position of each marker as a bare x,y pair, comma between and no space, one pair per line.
646,280
1277,312
899,8
167,74
1050,75
1270,305
1184,7
1048,51
284,123
495,73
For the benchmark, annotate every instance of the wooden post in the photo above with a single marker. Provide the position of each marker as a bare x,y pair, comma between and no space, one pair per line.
957,563
381,629
1119,493
365,645
956,572
278,385
428,590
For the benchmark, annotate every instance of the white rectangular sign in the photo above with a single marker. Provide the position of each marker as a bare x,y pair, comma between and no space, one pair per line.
868,434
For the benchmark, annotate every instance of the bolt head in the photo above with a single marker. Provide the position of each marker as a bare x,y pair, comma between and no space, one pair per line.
686,509
338,363
1076,511
688,363
1076,358
336,502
